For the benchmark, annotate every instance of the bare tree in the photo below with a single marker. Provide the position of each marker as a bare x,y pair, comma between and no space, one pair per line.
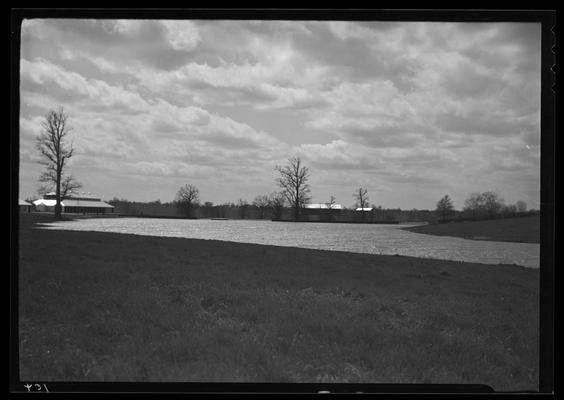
329,205
444,207
361,197
187,199
293,181
55,152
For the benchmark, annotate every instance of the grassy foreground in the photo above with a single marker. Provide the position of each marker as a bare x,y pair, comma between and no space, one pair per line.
115,307
522,229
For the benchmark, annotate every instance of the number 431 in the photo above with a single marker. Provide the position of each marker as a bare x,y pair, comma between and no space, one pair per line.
36,387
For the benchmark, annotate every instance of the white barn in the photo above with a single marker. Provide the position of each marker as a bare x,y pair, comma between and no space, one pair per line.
324,206
75,204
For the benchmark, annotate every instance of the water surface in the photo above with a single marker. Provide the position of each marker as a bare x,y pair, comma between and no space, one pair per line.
358,238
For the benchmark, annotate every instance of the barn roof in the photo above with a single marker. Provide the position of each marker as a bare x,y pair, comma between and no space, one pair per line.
85,203
45,202
73,203
324,206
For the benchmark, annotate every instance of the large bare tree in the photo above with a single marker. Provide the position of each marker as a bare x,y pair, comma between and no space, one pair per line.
55,152
187,198
361,197
293,181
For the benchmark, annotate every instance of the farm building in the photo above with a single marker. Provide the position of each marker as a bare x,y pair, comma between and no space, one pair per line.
24,206
323,206
322,211
76,204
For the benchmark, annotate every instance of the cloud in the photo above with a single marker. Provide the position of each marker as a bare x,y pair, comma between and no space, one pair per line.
228,133
337,155
42,75
477,124
159,44
182,35
264,85
374,114
393,105
344,30
122,27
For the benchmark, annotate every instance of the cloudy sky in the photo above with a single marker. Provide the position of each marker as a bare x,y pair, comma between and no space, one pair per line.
410,110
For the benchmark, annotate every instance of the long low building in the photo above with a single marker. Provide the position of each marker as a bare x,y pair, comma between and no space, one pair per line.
323,206
75,204
321,211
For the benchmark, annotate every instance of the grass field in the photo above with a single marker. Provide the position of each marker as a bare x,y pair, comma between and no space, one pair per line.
522,229
113,307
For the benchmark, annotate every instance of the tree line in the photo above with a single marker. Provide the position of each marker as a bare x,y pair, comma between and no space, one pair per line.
243,209
294,194
478,206
275,206
263,206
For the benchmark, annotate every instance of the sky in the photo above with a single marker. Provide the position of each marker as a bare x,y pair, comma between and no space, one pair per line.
411,111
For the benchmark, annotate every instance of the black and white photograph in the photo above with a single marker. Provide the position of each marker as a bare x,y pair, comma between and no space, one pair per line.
279,201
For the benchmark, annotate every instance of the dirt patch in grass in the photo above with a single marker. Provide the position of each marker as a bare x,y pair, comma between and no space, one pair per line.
114,307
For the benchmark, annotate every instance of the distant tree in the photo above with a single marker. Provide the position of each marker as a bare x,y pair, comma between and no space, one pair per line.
492,203
330,205
187,199
243,206
521,206
208,209
487,204
55,152
473,204
361,197
444,207
262,203
293,181
510,209
221,211
378,212
276,202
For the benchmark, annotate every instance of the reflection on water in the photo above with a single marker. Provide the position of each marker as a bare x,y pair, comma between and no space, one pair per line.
359,238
